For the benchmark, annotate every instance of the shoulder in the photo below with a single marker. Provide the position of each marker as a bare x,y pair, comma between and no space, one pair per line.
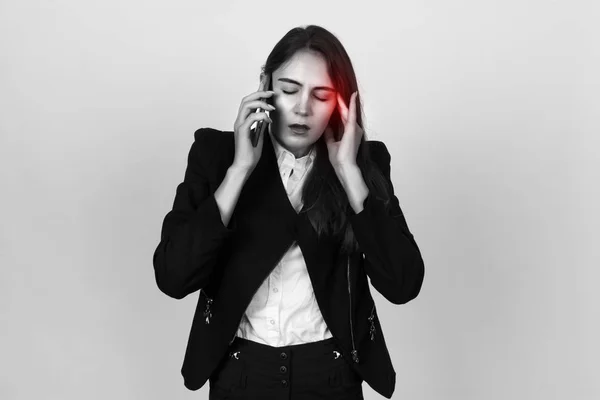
210,137
379,155
378,150
211,152
210,143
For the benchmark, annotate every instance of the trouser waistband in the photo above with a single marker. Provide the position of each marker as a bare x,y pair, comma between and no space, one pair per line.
304,352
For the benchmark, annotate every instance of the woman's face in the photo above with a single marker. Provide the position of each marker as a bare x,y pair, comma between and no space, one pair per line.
304,94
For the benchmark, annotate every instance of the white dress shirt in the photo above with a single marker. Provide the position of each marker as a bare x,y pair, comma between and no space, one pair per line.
284,310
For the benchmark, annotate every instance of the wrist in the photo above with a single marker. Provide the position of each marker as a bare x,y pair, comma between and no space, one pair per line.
239,170
347,171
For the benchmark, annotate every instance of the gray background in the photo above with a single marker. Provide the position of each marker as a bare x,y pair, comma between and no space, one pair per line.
489,109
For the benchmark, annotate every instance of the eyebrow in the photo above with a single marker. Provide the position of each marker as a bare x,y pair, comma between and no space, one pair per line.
299,84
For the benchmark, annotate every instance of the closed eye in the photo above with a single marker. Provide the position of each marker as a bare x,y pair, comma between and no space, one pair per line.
318,98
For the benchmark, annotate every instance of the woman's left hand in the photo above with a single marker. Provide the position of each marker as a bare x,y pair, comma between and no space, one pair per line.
343,153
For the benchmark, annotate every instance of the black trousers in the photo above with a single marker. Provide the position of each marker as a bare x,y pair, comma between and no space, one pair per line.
312,371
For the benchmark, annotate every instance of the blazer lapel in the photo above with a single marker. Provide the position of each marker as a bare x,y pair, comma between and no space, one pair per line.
266,222
268,225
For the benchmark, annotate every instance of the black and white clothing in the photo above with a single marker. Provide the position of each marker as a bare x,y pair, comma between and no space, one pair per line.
228,264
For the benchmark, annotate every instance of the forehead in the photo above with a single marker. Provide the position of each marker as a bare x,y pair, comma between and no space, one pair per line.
306,67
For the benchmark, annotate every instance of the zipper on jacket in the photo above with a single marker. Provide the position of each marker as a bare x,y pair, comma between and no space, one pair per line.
372,321
354,351
208,314
207,311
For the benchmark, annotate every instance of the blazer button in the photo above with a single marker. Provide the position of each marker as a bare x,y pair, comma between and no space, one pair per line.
283,356
284,383
282,369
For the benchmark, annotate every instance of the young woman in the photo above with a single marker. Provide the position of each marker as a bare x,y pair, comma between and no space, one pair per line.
279,239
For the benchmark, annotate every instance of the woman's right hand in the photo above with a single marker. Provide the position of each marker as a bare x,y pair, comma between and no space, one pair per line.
246,155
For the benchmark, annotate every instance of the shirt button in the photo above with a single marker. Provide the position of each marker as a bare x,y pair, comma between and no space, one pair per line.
283,356
282,369
275,290
272,322
284,383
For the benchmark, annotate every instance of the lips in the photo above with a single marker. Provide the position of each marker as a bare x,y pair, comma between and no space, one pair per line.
299,127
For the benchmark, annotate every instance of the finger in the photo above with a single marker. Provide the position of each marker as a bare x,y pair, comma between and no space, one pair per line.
352,111
254,117
252,106
258,95
342,108
263,83
243,109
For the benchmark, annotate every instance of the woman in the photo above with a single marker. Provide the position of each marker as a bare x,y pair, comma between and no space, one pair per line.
279,238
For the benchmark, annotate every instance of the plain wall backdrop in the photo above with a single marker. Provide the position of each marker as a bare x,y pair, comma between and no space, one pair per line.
489,110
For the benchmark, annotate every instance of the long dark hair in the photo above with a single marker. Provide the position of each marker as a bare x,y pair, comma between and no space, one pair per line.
326,201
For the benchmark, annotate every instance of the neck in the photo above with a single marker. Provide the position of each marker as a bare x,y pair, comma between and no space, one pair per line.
298,153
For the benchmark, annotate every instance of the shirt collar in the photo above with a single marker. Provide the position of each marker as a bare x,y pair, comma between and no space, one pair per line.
286,158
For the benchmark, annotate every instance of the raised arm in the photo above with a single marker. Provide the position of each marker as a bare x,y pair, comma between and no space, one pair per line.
196,228
393,260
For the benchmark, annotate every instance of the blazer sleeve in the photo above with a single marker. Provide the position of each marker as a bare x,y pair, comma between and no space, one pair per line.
392,259
192,232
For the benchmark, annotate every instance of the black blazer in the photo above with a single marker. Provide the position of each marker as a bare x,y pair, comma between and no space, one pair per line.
228,264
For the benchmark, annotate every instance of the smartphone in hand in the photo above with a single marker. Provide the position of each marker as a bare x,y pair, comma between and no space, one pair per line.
260,125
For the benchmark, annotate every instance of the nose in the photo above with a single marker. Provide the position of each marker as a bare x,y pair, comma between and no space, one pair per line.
303,105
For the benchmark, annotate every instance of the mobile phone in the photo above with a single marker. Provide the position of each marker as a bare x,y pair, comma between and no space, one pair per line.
260,125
